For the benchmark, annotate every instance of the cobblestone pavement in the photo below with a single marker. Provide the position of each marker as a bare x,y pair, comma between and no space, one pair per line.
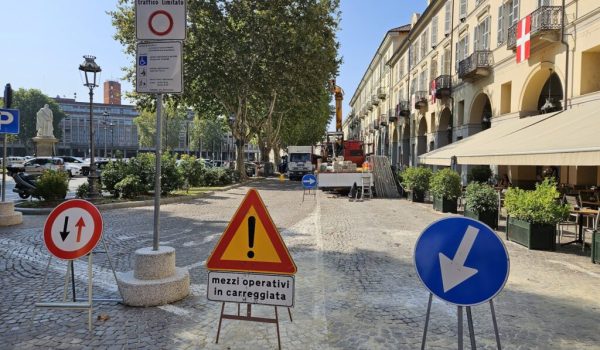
356,286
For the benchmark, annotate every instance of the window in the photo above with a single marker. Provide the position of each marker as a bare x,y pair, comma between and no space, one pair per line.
424,45
413,85
423,81
433,69
512,7
401,69
462,49
447,17
501,26
463,9
544,3
481,40
434,30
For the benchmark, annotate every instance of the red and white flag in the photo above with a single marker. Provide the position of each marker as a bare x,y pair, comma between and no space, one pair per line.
523,39
433,90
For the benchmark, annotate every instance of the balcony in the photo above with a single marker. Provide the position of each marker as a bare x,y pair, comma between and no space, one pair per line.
375,100
381,93
403,109
546,23
476,66
443,86
421,99
383,119
392,116
376,124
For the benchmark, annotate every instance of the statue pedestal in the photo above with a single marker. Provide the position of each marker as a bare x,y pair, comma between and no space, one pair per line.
44,146
8,215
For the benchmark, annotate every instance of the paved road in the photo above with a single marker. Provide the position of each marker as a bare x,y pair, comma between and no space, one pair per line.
12,196
356,287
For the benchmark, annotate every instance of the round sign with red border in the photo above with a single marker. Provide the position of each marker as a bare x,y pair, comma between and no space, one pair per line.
73,229
160,22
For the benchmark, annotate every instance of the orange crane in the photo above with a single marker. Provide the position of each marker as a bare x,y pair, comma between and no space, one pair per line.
339,96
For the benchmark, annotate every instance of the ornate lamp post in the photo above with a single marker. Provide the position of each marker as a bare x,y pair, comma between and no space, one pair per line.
90,69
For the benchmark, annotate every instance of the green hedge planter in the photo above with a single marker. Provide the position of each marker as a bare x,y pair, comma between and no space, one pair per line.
533,236
489,218
596,247
445,205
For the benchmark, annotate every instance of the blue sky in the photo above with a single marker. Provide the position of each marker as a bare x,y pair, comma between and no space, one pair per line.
43,42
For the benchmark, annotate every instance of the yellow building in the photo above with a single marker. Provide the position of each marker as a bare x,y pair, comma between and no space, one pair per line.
455,74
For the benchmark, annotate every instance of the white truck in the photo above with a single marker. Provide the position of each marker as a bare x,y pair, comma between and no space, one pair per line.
299,161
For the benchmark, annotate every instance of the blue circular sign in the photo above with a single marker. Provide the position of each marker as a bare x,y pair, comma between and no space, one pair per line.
309,181
461,261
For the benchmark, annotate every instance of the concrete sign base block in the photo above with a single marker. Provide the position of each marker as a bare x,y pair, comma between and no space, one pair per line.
8,215
155,279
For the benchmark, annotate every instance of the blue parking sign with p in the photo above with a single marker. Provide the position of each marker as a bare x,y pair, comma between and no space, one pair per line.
9,121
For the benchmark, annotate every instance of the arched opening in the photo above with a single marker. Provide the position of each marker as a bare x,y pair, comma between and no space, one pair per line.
395,149
551,95
444,130
422,137
405,147
544,83
480,117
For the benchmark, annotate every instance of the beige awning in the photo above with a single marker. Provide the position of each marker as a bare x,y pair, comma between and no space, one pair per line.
569,137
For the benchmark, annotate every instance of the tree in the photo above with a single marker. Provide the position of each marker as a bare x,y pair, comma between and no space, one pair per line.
173,119
29,102
244,58
207,131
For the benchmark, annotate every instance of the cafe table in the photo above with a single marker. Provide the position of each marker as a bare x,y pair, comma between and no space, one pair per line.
581,213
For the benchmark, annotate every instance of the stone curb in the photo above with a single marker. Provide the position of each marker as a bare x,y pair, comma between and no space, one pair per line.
144,203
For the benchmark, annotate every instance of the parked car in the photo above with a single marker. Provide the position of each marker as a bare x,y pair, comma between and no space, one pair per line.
100,164
73,165
14,161
38,165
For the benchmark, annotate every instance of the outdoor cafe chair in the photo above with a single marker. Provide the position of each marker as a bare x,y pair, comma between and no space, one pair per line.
592,229
573,218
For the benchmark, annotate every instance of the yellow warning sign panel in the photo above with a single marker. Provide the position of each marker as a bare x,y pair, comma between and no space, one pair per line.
251,242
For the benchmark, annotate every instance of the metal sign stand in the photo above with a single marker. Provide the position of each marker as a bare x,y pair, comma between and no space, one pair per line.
309,193
77,303
249,317
460,325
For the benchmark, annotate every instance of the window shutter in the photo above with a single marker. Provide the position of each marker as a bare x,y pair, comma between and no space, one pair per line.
447,18
463,8
515,12
434,30
501,25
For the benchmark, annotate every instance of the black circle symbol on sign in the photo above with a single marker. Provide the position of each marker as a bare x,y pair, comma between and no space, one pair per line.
153,16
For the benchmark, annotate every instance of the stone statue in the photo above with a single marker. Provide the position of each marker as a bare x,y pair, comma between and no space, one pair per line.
44,122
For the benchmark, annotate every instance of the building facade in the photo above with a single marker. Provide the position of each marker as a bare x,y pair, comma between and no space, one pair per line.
462,68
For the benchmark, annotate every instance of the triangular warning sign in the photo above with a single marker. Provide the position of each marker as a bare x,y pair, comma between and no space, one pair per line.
251,242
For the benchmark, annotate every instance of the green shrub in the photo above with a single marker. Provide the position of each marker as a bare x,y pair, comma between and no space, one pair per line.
83,190
479,173
540,206
233,174
481,198
130,187
52,185
170,177
143,166
191,170
416,178
446,184
211,177
112,174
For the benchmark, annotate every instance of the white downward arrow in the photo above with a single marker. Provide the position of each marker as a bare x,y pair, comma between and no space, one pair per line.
453,271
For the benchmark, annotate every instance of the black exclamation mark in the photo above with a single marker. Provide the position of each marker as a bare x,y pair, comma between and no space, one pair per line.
251,223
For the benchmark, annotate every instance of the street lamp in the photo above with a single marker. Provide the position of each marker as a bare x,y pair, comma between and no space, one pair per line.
90,69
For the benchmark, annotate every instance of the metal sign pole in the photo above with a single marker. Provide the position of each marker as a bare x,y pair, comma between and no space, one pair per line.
495,325
460,328
4,168
159,99
471,329
426,321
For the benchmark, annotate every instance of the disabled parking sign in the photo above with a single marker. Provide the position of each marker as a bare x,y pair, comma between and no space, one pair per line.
461,261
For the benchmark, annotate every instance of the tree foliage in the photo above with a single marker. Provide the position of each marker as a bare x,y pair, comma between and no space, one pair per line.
265,64
173,115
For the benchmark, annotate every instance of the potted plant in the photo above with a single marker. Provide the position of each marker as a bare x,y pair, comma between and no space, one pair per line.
596,247
482,204
445,187
533,215
416,180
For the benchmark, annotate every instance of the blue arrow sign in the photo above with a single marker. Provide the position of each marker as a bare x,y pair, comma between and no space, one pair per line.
461,261
309,181
9,121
